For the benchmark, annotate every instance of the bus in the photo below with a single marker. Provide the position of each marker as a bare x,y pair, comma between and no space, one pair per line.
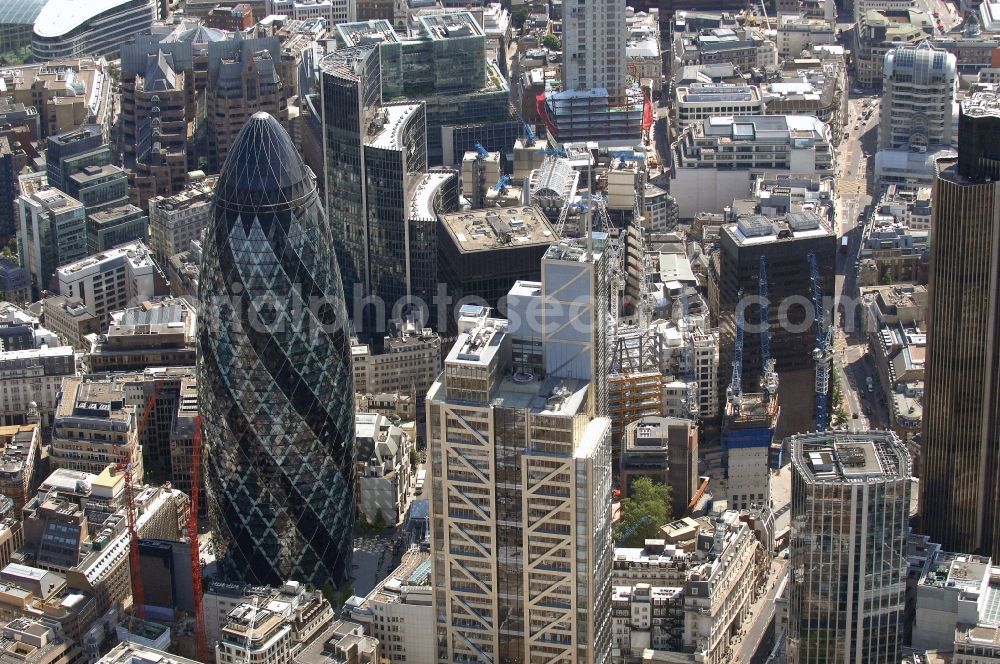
421,476
845,242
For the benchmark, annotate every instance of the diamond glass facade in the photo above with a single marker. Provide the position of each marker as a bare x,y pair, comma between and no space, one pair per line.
274,376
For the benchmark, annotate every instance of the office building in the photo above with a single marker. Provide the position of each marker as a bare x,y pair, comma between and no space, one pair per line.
960,506
545,474
15,282
334,12
16,23
304,611
746,48
850,507
62,94
342,642
664,449
384,476
33,642
235,17
151,334
956,595
18,462
690,593
69,318
785,243
700,101
596,101
115,279
130,653
99,187
399,611
877,32
441,61
115,226
155,98
68,29
174,221
275,520
409,362
8,188
93,427
383,202
918,95
714,160
32,380
483,253
76,527
53,232
243,79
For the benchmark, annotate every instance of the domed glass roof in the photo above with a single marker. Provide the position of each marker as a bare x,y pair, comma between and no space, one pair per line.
263,171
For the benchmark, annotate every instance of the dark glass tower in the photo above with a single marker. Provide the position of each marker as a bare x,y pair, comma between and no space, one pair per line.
274,375
960,501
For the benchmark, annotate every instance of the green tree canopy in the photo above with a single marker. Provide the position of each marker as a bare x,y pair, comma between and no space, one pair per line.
643,512
552,42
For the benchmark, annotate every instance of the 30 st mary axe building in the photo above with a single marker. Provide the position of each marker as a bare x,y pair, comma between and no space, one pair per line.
960,505
274,375
850,503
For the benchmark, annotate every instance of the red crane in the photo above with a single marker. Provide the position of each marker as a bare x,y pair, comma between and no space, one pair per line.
199,614
127,465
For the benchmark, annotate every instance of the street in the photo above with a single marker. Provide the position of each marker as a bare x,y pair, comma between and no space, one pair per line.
855,186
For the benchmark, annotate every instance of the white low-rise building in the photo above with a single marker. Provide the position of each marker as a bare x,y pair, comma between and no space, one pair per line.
115,279
700,101
333,11
715,160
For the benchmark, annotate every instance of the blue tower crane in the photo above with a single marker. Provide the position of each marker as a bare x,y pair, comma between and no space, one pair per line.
502,183
821,354
734,394
768,376
529,134
555,152
481,152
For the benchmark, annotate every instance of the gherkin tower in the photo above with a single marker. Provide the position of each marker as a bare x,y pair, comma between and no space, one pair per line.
274,375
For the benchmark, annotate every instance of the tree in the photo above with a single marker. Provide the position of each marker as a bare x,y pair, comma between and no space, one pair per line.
414,459
520,16
552,42
643,512
361,523
378,523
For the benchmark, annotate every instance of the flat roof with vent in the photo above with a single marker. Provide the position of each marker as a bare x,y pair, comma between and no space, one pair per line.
847,457
498,228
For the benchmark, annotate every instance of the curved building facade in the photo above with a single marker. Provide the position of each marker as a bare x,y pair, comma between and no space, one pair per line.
75,28
274,376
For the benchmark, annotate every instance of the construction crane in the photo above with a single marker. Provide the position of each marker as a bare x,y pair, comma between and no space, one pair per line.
734,393
821,354
529,135
692,385
628,156
126,465
502,183
555,152
481,152
768,376
201,640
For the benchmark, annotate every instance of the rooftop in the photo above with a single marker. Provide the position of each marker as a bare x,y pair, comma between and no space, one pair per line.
494,228
59,17
980,104
761,229
422,200
845,457
388,130
136,253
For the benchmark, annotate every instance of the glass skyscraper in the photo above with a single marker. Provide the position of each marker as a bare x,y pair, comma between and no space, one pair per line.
274,375
850,510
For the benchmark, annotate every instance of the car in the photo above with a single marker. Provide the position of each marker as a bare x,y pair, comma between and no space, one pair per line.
855,416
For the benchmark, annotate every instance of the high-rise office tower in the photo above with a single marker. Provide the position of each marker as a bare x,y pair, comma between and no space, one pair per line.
594,46
383,202
274,373
960,502
596,101
521,481
850,503
243,79
441,60
918,94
